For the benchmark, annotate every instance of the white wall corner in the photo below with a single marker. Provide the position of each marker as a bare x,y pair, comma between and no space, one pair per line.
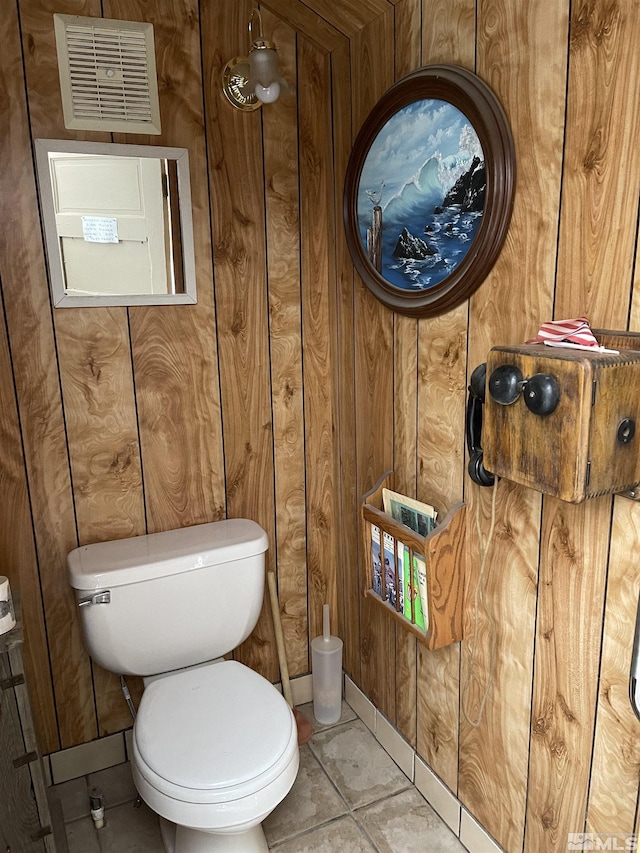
363,707
439,797
474,837
395,745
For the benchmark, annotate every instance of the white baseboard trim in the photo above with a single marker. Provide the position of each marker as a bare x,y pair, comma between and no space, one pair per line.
441,799
86,758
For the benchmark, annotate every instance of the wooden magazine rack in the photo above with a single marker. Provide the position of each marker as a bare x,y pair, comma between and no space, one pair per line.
443,551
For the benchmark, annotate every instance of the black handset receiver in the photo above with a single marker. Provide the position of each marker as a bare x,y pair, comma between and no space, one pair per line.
473,427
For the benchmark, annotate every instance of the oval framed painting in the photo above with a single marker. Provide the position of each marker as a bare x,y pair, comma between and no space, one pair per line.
429,190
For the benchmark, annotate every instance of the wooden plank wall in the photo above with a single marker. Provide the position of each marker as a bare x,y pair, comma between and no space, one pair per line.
287,390
556,740
118,421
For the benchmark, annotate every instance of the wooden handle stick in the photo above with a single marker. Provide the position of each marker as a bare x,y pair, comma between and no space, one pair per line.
277,624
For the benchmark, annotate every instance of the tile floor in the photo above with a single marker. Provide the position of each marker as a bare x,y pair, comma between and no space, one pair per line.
349,796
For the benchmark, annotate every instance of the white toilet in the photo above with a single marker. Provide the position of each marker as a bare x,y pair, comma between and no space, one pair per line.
215,746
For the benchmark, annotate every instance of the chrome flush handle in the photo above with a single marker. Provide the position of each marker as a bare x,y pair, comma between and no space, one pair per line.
96,598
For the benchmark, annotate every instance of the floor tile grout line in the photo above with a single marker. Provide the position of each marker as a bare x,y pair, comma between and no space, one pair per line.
351,811
318,827
354,813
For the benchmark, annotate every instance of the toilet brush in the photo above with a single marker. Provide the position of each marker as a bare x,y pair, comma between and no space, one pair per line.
304,726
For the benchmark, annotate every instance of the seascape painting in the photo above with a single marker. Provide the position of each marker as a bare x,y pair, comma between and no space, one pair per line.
421,194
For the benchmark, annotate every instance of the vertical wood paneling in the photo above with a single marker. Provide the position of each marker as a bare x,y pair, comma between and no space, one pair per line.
105,457
448,35
613,790
237,203
217,390
353,16
602,167
494,754
38,349
280,133
408,20
496,662
374,412
634,308
598,188
177,403
405,339
101,423
95,374
408,36
96,379
17,546
372,73
441,404
570,609
318,307
448,32
307,22
174,347
18,560
348,527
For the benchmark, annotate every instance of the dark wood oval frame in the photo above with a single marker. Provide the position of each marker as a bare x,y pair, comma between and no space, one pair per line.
474,98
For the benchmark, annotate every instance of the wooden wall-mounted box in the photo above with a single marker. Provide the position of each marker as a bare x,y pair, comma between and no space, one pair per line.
589,445
443,553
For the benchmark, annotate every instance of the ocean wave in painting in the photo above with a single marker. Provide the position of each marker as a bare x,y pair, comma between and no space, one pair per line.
425,176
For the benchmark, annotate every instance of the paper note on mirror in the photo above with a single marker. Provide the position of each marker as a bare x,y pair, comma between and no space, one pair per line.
100,229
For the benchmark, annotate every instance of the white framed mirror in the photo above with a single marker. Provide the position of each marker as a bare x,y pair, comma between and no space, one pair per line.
117,222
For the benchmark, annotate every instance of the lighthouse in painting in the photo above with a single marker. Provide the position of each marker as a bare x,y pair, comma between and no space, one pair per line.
374,233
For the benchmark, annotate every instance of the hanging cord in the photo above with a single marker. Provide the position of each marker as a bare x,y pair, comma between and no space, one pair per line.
479,596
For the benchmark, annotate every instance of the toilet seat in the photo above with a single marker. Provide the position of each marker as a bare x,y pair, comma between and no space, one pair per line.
213,735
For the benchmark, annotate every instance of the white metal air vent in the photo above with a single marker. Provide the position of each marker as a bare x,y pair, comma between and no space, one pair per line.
107,74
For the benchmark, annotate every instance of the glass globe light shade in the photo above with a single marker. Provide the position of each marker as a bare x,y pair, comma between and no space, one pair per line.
264,76
268,94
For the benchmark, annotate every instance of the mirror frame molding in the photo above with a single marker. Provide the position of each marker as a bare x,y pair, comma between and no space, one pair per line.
61,299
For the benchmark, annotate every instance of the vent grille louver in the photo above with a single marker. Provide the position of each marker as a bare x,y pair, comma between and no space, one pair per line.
107,74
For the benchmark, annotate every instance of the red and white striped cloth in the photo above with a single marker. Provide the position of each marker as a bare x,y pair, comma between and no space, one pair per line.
574,333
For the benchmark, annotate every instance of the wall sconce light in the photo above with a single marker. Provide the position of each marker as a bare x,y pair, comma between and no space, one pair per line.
248,82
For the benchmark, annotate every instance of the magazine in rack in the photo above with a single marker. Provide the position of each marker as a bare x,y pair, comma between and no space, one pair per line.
418,516
435,562
391,562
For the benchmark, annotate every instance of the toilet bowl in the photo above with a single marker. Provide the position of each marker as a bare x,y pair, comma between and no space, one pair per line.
215,750
215,745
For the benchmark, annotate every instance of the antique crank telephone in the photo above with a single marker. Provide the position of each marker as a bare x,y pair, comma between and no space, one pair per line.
506,385
473,427
561,421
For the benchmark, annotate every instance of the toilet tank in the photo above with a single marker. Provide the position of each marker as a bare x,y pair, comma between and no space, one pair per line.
150,604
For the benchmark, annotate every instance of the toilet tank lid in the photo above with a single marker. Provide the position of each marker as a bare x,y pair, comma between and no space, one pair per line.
141,558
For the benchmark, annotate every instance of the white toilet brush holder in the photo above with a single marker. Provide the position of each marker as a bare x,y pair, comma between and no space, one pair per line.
326,662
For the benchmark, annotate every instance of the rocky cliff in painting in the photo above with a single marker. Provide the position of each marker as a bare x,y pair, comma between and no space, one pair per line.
409,246
469,190
455,217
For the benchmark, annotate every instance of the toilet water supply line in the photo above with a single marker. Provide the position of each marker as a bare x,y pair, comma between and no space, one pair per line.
132,708
127,697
